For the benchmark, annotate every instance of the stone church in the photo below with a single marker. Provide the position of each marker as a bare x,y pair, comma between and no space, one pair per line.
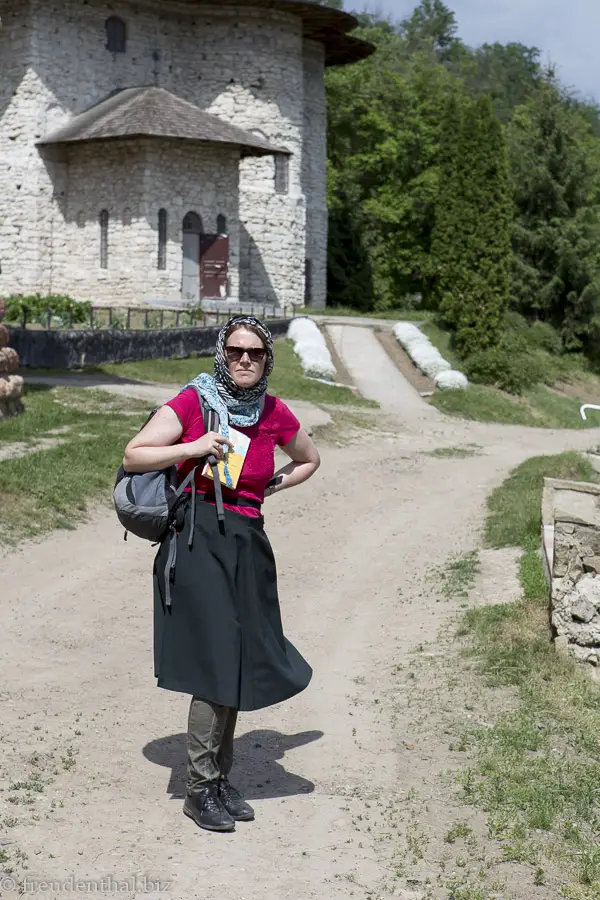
167,151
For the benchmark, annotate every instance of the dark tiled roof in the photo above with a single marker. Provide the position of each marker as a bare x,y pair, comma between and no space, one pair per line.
154,112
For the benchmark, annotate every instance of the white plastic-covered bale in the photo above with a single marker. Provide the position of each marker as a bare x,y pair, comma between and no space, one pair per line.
407,334
451,380
311,348
428,358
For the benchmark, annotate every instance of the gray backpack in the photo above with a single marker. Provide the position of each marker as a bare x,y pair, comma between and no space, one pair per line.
151,505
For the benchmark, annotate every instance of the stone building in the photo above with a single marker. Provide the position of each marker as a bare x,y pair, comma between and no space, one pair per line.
166,151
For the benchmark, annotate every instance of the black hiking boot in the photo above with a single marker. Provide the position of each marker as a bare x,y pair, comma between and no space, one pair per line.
206,809
234,803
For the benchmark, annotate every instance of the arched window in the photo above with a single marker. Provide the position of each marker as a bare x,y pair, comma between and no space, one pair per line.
221,224
116,35
192,223
104,239
282,173
162,239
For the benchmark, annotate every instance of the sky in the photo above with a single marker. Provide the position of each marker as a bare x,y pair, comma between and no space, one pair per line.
566,31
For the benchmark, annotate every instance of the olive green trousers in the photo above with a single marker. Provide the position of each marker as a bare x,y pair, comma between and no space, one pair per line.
209,742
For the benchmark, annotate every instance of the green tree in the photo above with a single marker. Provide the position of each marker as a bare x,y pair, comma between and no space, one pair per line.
448,245
471,240
509,74
384,126
349,270
554,160
431,23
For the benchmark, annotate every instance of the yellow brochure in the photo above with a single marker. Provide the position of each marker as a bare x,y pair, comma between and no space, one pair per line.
235,458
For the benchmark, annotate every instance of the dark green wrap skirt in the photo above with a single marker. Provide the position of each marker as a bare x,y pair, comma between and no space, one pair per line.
221,638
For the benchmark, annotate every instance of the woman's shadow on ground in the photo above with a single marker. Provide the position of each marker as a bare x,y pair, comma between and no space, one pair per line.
256,770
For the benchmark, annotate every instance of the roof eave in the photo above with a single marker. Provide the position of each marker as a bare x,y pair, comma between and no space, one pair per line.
352,50
245,149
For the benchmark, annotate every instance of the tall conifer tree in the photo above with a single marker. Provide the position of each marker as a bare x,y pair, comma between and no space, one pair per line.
471,242
556,232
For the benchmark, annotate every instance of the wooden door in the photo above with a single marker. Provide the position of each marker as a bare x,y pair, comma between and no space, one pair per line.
214,266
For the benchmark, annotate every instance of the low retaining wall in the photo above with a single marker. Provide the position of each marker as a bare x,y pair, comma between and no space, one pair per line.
83,349
571,537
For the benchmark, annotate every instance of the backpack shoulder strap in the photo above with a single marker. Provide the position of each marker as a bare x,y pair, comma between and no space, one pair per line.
209,416
211,423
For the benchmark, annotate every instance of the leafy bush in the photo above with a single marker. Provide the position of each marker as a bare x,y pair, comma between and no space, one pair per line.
544,337
509,371
34,308
515,342
519,334
514,321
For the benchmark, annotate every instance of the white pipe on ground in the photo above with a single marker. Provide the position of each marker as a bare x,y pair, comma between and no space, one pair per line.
587,406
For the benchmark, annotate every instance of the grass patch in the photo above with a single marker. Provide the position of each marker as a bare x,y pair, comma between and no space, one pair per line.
457,831
538,407
287,381
454,452
457,577
441,339
346,423
537,768
514,518
52,488
400,315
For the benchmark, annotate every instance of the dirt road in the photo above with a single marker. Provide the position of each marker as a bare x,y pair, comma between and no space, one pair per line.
102,749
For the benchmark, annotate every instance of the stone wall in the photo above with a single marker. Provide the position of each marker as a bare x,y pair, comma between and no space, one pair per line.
132,180
571,523
253,73
19,161
83,349
314,173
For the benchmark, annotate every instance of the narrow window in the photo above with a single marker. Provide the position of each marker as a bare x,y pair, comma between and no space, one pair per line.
221,225
104,239
307,282
116,35
162,239
282,173
127,216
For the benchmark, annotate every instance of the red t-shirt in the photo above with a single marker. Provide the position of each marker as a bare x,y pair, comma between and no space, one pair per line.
276,427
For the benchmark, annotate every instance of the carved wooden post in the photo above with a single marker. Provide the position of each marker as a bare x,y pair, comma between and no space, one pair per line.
11,385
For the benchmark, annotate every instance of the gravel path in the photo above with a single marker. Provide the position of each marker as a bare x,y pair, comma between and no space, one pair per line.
376,375
355,549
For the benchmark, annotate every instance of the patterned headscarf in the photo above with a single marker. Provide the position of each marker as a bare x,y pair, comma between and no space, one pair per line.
236,405
235,397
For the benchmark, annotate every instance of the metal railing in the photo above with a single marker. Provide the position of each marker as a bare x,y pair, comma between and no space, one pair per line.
128,318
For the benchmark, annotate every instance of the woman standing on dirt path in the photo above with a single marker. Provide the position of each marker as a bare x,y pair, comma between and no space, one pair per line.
220,638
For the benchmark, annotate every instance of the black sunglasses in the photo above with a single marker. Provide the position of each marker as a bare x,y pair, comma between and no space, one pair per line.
255,354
